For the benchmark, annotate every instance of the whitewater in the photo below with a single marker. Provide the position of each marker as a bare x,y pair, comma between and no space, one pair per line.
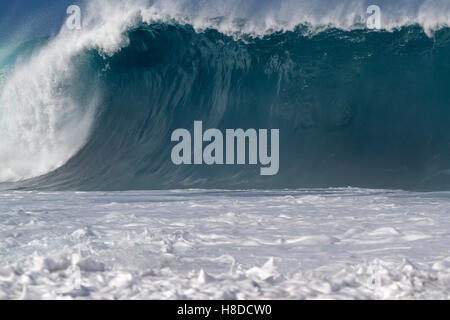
213,244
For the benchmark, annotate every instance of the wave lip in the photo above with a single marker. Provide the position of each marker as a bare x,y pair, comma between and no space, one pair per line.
258,18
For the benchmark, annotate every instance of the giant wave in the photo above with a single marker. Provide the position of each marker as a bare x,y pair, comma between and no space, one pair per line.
94,110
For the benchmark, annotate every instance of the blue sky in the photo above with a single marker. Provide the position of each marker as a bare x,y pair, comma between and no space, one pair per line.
31,18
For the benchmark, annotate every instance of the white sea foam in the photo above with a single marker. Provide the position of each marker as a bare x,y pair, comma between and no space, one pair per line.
256,17
43,120
305,244
41,124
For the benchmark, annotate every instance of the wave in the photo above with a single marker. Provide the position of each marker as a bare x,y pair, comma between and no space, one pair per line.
94,110
261,17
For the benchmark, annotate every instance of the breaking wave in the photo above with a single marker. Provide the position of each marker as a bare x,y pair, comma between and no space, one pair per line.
95,109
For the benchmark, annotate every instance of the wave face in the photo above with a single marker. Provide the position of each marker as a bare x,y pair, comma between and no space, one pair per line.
95,111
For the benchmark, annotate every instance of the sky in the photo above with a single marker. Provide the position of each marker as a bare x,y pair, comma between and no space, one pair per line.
31,18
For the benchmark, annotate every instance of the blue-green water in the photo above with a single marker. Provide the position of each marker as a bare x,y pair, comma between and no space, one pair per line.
354,108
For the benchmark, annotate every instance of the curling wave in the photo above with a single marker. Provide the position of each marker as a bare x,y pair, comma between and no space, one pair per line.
95,109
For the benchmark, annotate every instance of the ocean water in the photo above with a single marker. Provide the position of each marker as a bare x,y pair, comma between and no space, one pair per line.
200,244
91,205
94,109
